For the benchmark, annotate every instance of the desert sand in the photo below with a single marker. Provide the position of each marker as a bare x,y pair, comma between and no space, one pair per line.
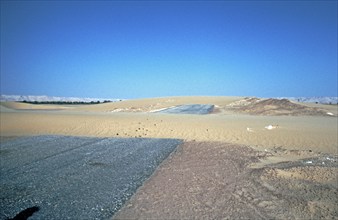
249,158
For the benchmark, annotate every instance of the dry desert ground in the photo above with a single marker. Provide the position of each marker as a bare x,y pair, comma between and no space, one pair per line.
249,158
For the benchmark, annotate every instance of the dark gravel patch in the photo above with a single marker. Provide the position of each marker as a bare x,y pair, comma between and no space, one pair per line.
189,109
61,177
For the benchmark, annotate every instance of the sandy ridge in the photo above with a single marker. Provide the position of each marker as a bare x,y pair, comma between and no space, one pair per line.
258,144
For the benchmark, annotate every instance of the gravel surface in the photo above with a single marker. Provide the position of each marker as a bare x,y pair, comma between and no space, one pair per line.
189,109
214,180
61,177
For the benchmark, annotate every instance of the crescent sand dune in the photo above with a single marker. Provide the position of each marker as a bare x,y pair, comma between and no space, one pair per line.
273,146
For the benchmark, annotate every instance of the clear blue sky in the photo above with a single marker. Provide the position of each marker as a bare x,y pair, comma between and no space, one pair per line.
141,49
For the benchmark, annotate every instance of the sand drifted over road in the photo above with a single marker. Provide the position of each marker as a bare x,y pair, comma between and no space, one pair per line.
247,158
213,180
189,109
292,132
62,177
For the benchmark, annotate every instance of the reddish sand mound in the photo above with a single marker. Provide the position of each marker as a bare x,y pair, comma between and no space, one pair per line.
277,107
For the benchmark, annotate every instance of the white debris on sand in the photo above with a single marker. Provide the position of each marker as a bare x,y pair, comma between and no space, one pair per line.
243,102
118,110
330,159
270,127
160,109
127,110
329,113
249,129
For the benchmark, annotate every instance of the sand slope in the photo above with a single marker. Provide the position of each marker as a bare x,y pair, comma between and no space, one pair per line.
313,133
26,106
317,133
256,106
256,144
153,104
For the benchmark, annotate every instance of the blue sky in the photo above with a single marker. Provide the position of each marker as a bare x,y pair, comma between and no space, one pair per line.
136,49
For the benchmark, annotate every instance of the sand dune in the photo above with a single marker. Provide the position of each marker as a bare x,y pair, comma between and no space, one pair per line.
317,133
277,107
153,104
223,105
27,106
273,135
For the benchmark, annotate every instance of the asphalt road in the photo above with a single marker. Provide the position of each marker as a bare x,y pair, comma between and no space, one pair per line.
60,177
189,109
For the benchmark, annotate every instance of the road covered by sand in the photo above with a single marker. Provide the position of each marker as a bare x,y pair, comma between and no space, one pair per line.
271,141
135,118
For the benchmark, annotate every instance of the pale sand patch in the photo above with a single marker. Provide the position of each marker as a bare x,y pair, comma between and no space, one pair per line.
316,133
27,106
153,104
306,133
330,108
